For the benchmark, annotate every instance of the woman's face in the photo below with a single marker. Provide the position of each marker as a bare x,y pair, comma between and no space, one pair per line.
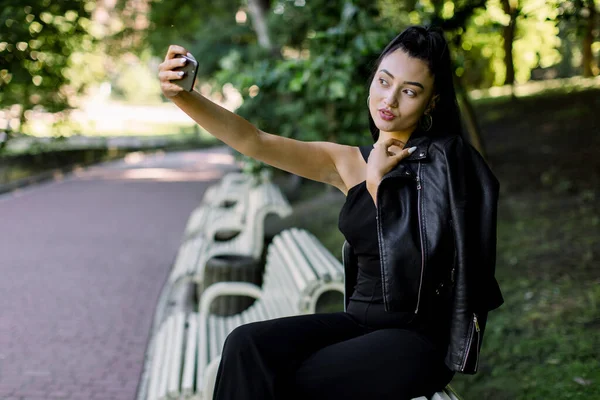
404,86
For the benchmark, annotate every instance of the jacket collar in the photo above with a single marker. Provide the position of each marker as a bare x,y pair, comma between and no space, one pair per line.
419,139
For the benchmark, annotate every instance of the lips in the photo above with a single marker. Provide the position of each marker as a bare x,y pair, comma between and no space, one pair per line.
386,115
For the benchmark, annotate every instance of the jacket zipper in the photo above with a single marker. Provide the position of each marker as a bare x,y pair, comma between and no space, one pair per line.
476,328
419,187
383,288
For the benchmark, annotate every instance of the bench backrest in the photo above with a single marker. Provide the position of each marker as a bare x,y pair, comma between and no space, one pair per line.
298,265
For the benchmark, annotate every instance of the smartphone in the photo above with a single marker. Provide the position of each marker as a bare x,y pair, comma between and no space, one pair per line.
191,69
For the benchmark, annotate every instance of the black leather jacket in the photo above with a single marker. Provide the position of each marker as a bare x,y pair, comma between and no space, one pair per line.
436,225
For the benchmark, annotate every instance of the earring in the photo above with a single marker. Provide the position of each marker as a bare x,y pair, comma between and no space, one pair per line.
427,125
368,100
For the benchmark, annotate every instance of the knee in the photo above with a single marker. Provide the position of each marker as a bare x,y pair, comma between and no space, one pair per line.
240,340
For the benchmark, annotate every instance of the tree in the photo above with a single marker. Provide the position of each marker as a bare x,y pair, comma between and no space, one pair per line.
589,13
583,14
36,41
511,9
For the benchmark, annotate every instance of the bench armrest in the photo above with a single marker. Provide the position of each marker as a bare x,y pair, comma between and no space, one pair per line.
227,222
226,289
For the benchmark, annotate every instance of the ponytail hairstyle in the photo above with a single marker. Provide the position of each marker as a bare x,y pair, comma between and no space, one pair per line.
429,45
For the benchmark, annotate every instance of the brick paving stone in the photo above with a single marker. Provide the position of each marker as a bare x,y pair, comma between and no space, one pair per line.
83,262
59,395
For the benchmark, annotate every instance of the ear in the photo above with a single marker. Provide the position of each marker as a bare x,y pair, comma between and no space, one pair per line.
432,103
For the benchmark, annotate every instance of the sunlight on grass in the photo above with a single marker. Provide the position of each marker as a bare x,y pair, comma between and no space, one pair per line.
534,88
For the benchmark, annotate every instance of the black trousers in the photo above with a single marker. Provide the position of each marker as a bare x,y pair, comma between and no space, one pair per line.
328,356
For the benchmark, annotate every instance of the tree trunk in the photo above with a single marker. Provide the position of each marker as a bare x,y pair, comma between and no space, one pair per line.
588,39
508,34
258,10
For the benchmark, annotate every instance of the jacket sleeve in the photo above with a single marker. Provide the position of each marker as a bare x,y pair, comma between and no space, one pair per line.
473,198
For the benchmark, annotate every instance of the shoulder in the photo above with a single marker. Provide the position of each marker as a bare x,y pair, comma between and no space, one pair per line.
462,158
445,147
453,146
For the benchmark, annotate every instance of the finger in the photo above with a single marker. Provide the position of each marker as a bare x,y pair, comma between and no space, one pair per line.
172,64
393,141
174,50
171,87
170,75
406,152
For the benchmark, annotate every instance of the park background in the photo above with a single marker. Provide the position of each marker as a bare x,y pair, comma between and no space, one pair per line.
78,84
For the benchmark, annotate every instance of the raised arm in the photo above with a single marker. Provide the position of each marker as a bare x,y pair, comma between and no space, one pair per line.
319,161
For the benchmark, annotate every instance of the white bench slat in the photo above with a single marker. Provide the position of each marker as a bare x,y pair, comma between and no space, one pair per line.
294,256
237,320
202,352
158,354
177,349
295,276
290,281
195,220
261,312
186,258
231,324
187,383
162,386
440,396
222,334
325,264
212,338
227,188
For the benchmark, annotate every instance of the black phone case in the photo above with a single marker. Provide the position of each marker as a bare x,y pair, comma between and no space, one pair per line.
191,69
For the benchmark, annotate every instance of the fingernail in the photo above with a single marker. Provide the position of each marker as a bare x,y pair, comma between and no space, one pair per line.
412,149
183,61
180,73
190,55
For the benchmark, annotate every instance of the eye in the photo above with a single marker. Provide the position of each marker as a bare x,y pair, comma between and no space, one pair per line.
382,81
411,93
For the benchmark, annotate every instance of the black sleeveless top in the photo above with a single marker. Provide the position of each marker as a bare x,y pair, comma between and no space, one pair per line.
358,224
357,221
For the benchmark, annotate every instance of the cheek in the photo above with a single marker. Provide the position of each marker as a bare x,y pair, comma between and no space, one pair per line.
412,108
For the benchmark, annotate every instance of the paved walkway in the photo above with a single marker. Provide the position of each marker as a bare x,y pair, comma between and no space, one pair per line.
82,263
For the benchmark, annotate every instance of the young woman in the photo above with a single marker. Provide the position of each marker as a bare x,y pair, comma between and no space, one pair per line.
419,220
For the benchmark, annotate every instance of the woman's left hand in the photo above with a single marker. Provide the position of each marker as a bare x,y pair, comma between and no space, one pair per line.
381,160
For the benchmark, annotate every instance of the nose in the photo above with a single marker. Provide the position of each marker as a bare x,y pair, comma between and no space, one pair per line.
391,101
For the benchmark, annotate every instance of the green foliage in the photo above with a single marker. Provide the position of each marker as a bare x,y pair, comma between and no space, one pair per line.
37,39
318,91
206,28
536,43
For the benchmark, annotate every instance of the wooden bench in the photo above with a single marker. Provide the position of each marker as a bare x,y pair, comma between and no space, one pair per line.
186,349
226,188
263,199
226,197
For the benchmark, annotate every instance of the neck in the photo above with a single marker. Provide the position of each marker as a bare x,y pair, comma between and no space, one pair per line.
402,136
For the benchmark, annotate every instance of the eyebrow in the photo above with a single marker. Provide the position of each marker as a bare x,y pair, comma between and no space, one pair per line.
407,82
